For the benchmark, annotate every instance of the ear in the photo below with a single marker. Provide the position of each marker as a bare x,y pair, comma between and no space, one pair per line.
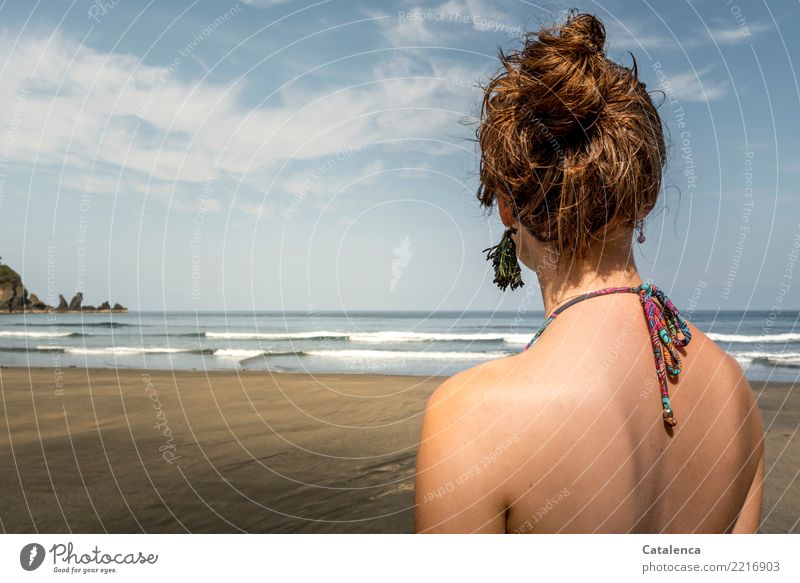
506,211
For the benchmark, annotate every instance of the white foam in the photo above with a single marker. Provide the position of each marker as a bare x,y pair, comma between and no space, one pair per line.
786,358
115,350
402,355
393,337
237,353
275,335
383,337
517,338
756,339
26,334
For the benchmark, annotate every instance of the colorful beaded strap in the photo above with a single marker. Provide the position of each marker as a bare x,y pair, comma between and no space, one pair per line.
668,330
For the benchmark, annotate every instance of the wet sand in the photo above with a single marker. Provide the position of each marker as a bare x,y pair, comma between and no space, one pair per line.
104,450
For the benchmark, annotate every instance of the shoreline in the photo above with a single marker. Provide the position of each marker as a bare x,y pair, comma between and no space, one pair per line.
245,369
138,450
31,312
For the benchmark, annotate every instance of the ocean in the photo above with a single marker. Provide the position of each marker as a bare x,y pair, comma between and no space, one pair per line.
412,343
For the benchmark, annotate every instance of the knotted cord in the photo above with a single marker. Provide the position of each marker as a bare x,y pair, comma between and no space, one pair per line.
668,331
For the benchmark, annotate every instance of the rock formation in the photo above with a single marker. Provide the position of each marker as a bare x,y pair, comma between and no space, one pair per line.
14,298
13,295
35,303
76,302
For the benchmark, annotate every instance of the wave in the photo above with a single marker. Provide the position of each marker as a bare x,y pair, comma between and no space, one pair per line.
278,335
786,359
81,324
29,349
385,337
120,350
398,337
518,338
756,339
244,355
397,354
237,354
30,334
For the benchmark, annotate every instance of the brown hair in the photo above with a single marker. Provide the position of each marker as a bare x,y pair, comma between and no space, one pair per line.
570,139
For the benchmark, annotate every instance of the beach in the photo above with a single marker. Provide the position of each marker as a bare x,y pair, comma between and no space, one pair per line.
161,451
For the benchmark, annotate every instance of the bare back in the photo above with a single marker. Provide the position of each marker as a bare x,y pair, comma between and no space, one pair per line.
572,440
568,436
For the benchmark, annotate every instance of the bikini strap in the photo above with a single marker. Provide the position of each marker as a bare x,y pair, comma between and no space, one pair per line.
668,331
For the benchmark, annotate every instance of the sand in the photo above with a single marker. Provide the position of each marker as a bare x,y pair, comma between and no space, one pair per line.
105,450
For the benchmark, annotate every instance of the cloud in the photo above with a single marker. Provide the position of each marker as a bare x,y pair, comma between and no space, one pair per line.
694,86
631,34
733,36
444,24
84,109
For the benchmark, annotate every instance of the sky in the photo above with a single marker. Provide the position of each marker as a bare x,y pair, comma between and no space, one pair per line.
311,156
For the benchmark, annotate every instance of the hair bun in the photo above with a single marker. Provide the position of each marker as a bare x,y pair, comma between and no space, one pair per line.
584,30
562,72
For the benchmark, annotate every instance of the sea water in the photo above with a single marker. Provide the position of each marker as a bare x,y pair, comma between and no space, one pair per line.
767,345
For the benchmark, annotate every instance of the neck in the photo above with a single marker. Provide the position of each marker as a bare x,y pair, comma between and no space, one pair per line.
611,264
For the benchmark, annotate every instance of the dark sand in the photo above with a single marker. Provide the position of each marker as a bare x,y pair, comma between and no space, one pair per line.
249,452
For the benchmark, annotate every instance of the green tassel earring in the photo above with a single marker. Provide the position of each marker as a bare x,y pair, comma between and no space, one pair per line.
504,259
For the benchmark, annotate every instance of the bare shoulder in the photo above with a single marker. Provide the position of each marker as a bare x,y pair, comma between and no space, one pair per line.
708,355
486,394
726,382
475,384
459,484
723,376
479,408
460,404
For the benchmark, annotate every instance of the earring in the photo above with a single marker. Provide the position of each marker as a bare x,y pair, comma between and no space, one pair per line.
504,260
641,238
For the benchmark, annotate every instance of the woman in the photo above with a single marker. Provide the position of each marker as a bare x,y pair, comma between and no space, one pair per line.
620,416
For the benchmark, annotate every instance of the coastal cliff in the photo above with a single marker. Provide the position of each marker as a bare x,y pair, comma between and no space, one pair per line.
14,299
13,295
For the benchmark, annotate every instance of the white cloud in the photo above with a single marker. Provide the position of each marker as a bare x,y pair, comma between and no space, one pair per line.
694,86
732,36
84,108
445,23
483,15
630,34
